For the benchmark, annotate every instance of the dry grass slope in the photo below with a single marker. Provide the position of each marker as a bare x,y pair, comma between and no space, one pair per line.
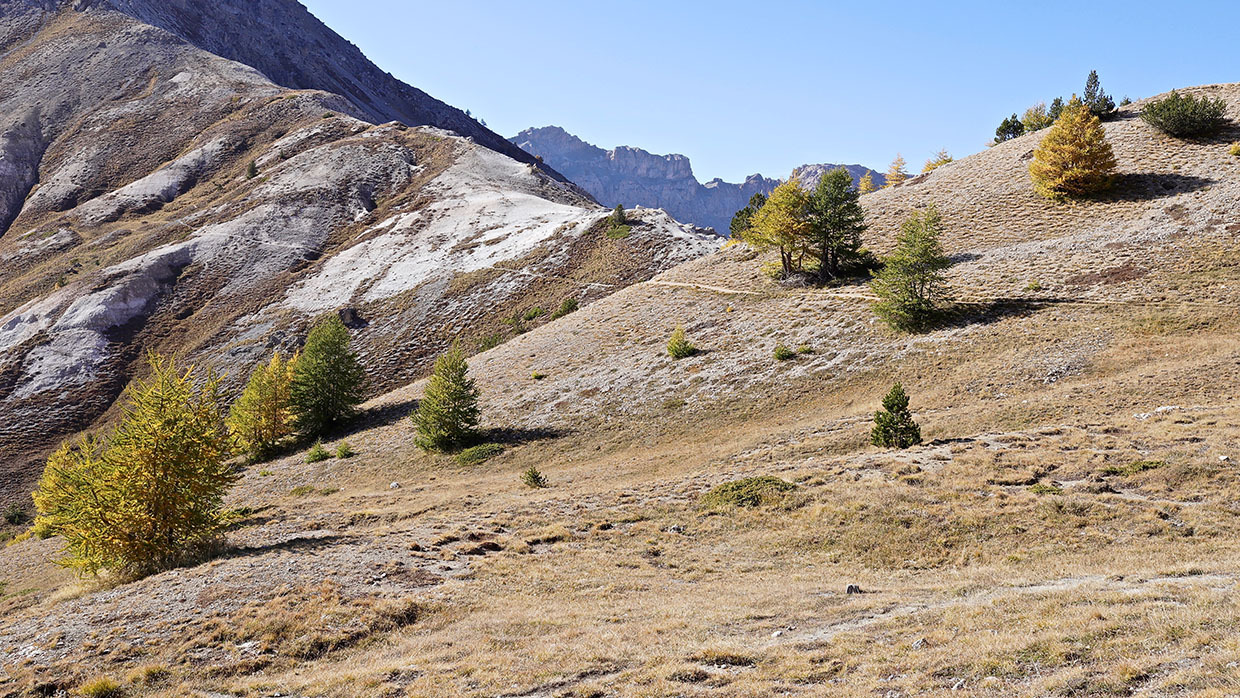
1067,529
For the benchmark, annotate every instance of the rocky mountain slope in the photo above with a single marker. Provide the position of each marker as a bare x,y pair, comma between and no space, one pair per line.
159,197
292,48
1069,527
634,177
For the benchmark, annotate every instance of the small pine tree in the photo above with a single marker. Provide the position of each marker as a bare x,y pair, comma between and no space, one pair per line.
744,217
328,381
1055,110
896,173
911,280
447,417
940,158
262,418
866,184
836,222
1098,102
148,495
1074,159
251,170
533,478
893,425
678,346
618,215
1009,129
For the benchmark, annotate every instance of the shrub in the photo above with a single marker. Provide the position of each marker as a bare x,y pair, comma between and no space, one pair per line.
619,232
748,492
148,495
1184,116
678,346
1044,488
345,450
15,516
317,454
783,352
533,478
533,314
251,170
805,349
262,418
1074,159
328,381
447,417
479,454
893,425
1133,468
911,280
538,375
490,341
1234,150
569,305
101,687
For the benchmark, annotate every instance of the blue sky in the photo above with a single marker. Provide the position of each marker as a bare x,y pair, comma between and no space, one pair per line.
744,87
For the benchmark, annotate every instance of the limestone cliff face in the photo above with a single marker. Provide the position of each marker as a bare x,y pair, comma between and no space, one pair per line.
130,219
634,177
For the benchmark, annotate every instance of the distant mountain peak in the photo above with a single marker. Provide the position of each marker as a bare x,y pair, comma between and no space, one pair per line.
635,177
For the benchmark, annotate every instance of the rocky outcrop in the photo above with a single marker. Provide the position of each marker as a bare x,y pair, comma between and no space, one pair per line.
634,177
139,223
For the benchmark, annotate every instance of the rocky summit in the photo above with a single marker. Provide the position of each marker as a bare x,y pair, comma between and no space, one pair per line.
161,193
633,177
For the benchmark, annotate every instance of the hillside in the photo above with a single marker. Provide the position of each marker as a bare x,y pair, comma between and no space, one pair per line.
634,177
1068,529
160,197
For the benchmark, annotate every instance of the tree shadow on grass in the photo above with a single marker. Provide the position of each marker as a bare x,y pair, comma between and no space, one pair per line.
300,543
510,436
1146,186
961,314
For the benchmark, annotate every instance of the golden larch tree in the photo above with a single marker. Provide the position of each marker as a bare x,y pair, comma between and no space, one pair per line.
1074,159
782,222
896,174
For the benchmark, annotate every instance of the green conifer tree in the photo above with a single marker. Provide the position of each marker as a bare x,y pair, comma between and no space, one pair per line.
744,217
836,221
893,425
328,380
1098,102
911,280
262,418
447,417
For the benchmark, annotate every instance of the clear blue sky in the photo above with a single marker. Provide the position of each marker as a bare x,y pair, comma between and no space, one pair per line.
743,87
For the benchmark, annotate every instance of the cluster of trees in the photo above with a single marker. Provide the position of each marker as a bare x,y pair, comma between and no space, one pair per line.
147,495
823,225
1040,116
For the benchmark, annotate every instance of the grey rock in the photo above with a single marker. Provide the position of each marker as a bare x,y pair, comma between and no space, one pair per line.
634,177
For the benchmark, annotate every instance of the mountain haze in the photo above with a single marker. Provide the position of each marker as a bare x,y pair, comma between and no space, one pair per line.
634,177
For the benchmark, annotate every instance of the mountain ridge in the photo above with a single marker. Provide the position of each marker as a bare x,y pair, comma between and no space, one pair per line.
632,176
